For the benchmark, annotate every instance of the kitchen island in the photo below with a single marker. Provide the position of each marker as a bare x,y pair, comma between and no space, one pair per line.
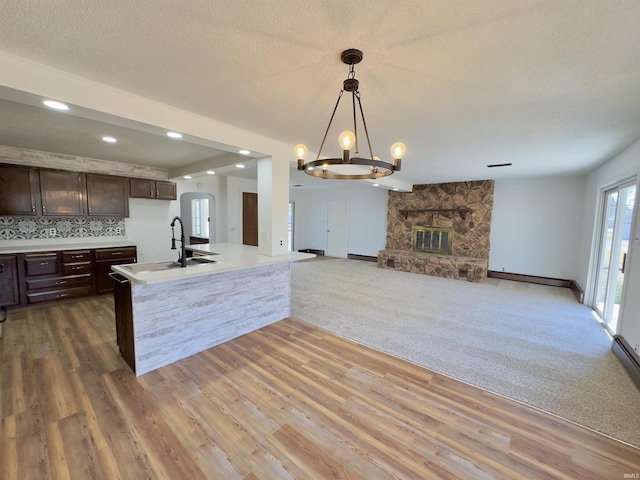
165,313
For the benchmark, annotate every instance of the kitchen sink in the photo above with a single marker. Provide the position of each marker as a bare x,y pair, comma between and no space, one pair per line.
160,266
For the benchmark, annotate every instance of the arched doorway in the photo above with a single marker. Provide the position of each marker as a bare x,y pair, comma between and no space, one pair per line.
198,214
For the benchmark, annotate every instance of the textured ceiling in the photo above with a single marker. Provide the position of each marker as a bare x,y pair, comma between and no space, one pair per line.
550,86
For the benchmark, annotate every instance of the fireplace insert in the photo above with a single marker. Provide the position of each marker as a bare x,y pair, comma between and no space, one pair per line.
432,240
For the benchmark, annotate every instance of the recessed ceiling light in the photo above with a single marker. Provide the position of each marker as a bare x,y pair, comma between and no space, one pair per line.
174,135
109,139
210,172
239,165
56,105
244,152
187,177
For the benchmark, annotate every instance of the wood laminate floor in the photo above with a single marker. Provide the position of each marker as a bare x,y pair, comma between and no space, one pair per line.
287,401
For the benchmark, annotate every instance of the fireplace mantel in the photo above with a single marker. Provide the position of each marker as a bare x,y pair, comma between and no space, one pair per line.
461,211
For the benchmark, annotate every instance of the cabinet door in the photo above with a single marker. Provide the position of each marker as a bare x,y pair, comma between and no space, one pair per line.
62,192
107,195
166,190
18,190
9,293
142,188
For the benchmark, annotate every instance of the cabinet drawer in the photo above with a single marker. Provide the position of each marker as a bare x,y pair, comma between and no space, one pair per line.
76,256
75,268
115,253
41,264
48,295
61,282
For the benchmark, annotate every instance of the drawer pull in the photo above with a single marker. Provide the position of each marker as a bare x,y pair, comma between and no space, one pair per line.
62,282
44,263
116,253
62,295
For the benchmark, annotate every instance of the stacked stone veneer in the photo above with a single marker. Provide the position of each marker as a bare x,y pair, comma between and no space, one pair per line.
471,225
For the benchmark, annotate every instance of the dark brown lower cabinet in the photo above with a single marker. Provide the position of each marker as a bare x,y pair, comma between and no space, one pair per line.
58,275
35,278
105,258
9,287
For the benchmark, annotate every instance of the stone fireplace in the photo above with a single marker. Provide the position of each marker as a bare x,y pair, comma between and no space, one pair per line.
441,230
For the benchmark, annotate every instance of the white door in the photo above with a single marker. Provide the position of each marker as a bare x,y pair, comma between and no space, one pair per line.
614,245
337,222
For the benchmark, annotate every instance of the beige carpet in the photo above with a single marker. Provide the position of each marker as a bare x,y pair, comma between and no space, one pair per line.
532,343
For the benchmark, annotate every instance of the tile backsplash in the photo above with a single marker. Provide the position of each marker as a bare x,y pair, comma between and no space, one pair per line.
19,228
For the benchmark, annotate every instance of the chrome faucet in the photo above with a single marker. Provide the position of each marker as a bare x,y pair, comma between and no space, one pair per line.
182,259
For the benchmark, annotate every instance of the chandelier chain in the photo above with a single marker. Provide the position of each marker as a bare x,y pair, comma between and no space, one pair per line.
329,126
364,124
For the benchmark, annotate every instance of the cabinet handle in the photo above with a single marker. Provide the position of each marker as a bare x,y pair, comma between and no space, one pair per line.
62,295
150,193
44,209
89,209
44,263
157,194
116,253
62,282
33,208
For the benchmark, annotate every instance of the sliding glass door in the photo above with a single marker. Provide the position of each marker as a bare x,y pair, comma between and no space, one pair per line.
612,258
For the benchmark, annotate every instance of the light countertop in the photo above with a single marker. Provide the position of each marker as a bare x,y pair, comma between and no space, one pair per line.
32,246
228,257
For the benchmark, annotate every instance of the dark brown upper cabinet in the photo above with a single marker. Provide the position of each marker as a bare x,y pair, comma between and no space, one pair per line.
158,189
19,193
107,195
62,192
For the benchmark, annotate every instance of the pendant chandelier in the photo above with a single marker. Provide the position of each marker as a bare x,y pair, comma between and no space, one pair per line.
373,166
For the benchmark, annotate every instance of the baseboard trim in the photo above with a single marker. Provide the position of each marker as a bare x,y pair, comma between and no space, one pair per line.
368,258
577,291
517,277
628,357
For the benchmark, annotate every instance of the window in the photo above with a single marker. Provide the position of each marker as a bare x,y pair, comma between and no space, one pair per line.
200,217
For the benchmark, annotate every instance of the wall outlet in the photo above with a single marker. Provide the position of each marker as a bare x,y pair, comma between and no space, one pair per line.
636,346
52,232
118,231
281,243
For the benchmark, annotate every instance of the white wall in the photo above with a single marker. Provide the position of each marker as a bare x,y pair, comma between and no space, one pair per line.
367,228
624,165
536,226
148,227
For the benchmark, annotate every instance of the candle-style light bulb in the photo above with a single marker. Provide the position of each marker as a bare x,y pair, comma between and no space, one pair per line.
301,151
398,150
347,140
